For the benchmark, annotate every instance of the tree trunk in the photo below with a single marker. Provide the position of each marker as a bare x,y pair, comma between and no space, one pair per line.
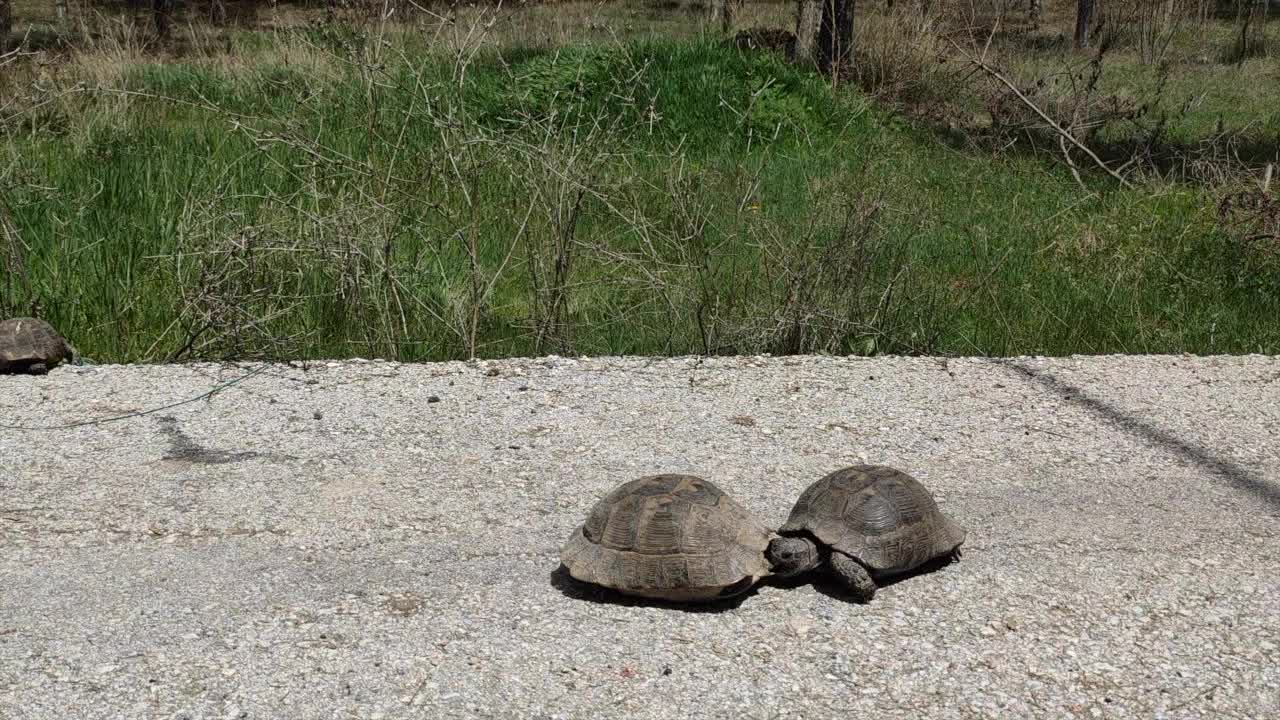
217,13
835,35
162,15
1266,17
6,24
1084,21
722,13
1243,16
1035,9
808,18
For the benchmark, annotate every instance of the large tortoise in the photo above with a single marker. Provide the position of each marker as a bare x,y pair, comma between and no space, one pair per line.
28,345
865,523
670,537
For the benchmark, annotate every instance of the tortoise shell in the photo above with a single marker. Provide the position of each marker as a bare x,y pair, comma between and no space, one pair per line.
26,342
672,537
879,516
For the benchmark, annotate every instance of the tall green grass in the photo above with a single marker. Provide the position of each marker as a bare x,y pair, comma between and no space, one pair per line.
647,197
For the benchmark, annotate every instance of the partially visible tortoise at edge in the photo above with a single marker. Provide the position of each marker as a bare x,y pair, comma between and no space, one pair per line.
28,345
865,523
670,537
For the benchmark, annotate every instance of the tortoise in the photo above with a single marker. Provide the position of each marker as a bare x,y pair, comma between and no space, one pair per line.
670,537
865,523
28,345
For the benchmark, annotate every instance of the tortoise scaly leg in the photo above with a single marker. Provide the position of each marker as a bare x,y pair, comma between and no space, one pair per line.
38,368
853,576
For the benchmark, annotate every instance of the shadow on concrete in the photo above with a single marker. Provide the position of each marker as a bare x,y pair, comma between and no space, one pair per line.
825,583
1238,475
182,448
576,589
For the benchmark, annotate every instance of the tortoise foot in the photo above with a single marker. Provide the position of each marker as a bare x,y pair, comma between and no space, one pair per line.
855,578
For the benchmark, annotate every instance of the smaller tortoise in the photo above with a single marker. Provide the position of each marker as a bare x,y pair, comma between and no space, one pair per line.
28,345
670,537
865,523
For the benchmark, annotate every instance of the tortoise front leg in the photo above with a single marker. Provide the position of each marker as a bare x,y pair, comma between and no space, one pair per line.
38,368
853,576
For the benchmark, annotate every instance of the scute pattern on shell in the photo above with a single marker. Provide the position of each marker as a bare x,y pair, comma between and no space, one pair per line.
882,517
668,536
24,341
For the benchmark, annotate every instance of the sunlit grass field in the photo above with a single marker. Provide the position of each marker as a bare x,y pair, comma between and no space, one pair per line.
485,188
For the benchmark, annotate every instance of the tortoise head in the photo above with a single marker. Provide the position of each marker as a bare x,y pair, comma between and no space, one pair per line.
793,555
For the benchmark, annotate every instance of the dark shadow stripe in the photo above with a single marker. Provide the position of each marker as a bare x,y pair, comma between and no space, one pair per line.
1239,475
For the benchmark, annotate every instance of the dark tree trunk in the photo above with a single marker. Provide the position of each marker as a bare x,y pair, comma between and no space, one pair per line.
162,15
217,12
1251,18
6,24
835,35
1084,21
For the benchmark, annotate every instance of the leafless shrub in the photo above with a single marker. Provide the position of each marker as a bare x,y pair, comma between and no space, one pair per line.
468,241
16,294
230,296
361,12
1252,217
1250,36
1147,26
550,257
242,278
1071,100
819,291
764,38
677,277
757,285
902,54
20,290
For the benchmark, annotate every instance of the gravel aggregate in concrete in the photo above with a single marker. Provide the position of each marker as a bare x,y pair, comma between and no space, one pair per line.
377,540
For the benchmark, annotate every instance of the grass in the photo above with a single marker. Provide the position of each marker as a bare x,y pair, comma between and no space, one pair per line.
1171,91
1189,81
364,191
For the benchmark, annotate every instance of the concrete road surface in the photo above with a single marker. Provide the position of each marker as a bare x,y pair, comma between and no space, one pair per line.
376,540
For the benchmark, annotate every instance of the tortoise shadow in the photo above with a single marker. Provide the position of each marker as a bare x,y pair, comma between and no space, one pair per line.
575,589
826,584
795,581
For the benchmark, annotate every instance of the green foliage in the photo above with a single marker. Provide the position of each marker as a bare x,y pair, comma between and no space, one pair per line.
650,197
701,94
